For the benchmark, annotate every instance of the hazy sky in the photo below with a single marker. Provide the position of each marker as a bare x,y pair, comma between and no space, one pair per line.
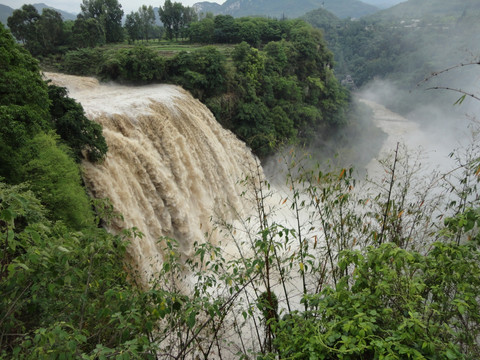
73,6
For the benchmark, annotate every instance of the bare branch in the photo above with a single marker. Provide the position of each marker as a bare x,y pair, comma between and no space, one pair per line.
436,73
463,92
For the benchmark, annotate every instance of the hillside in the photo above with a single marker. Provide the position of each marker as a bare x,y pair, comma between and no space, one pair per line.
427,9
287,8
403,45
383,4
206,6
322,19
7,11
65,15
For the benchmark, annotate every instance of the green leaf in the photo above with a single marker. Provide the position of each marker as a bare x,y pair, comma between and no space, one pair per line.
460,100
65,250
451,355
7,215
191,319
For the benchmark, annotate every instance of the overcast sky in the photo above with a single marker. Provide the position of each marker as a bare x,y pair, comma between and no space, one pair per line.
73,6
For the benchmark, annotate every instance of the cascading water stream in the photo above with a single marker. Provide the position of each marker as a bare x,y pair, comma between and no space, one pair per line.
170,166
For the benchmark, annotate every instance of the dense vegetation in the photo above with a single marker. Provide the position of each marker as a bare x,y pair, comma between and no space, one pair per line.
382,272
276,86
403,45
49,234
287,8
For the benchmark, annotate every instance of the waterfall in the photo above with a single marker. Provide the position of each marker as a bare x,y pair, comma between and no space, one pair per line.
170,166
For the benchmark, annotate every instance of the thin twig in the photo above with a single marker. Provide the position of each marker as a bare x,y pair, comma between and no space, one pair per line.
436,73
463,92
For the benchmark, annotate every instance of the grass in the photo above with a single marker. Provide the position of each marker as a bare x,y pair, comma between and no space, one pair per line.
168,48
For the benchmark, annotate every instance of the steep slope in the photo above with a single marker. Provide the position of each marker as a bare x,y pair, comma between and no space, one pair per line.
322,19
383,4
65,15
5,13
206,7
428,9
288,8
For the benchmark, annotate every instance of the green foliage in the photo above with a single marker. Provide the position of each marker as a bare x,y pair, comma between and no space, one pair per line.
140,64
78,132
22,23
23,103
64,294
299,105
88,32
41,34
375,277
55,179
397,304
29,149
83,61
133,26
225,29
108,13
202,31
175,18
322,287
202,72
282,94
140,24
50,31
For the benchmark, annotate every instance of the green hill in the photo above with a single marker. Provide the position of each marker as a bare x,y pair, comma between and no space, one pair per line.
322,19
287,8
65,15
428,9
5,13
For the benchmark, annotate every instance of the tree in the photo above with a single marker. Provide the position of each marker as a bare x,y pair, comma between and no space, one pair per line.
109,13
133,26
189,16
167,17
175,18
141,64
41,34
226,29
23,104
202,31
65,293
203,72
82,135
50,30
147,20
88,32
22,23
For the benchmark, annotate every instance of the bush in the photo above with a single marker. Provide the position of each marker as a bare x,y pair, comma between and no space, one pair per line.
55,179
141,64
83,62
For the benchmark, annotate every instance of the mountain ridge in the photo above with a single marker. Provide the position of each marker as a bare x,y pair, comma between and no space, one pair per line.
7,11
286,8
421,9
